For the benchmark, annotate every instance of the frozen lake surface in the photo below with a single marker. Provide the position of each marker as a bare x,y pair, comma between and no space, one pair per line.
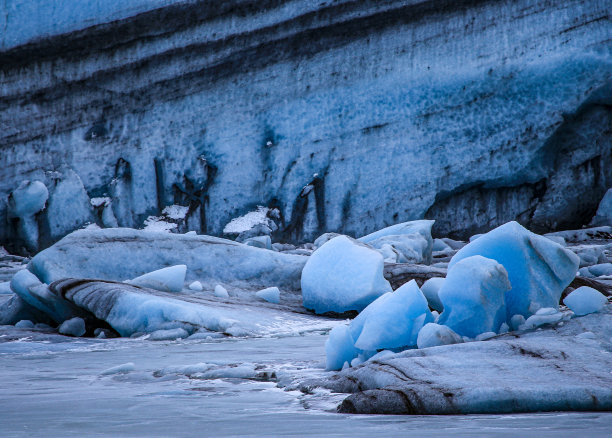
51,385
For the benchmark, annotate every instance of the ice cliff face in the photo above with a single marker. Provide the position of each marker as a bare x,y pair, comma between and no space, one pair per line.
472,113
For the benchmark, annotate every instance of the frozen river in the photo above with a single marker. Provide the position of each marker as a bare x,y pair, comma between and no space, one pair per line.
55,386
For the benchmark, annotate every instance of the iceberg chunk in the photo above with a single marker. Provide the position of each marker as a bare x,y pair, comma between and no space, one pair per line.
23,203
73,327
342,275
221,292
538,268
411,241
339,348
196,285
473,296
585,300
270,294
430,289
170,279
393,320
433,335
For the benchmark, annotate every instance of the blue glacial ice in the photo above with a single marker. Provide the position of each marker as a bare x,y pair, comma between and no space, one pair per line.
538,268
434,335
72,327
269,294
473,296
392,321
339,348
170,279
407,242
585,300
343,275
430,289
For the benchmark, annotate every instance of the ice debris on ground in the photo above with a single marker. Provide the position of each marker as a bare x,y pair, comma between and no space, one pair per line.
270,294
585,300
221,292
121,253
119,369
72,327
473,296
548,370
430,289
342,275
407,242
196,285
392,321
170,279
544,316
259,242
433,335
25,324
169,334
538,269
157,224
599,270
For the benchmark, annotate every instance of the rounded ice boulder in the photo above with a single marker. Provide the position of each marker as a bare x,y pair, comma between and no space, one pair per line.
585,300
473,296
433,335
343,275
538,268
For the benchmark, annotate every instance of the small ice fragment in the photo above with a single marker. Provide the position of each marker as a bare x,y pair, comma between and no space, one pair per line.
504,328
516,321
25,324
433,335
196,285
73,327
430,289
339,348
119,369
221,292
270,294
585,300
587,335
168,335
485,336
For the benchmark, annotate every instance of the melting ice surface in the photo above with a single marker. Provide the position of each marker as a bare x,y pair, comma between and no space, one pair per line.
56,386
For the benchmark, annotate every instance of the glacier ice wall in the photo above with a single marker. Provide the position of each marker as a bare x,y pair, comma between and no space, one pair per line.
472,113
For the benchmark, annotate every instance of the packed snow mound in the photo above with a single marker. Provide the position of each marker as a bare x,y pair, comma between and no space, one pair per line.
566,369
343,275
473,296
122,253
434,335
392,320
538,268
170,279
270,294
585,300
430,289
408,242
